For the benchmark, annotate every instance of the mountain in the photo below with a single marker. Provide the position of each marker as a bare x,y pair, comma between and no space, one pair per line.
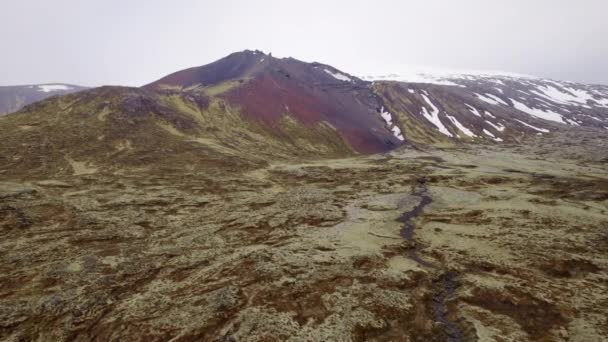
268,89
375,114
13,98
251,108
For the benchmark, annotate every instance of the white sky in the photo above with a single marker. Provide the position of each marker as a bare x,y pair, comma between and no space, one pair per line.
95,42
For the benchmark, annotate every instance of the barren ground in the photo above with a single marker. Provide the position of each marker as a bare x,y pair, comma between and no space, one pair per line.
513,247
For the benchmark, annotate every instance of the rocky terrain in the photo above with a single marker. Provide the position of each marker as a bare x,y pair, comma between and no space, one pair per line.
264,199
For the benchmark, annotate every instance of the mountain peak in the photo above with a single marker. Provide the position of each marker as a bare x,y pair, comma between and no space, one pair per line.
268,89
247,63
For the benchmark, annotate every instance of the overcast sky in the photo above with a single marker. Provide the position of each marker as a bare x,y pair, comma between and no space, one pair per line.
134,42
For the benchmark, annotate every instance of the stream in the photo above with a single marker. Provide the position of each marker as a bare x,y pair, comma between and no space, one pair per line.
447,283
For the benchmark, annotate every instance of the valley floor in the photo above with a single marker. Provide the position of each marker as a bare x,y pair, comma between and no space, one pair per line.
512,247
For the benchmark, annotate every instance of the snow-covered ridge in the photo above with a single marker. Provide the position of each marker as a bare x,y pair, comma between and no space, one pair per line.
497,106
47,88
412,78
500,88
444,76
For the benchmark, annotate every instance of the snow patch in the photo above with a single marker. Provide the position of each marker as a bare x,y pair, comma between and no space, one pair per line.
539,113
473,110
461,127
497,127
433,117
491,99
488,133
602,102
563,96
533,127
47,88
397,133
338,76
572,122
489,114
388,118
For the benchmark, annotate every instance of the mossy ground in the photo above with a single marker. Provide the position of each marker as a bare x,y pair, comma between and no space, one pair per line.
303,250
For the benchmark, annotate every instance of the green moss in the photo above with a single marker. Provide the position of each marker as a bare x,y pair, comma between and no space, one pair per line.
222,87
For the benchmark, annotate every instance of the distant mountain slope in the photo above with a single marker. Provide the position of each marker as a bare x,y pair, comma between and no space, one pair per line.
13,98
489,107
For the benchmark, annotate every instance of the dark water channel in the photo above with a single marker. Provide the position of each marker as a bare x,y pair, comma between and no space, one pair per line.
447,283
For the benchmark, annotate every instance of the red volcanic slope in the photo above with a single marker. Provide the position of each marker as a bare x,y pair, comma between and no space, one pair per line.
306,91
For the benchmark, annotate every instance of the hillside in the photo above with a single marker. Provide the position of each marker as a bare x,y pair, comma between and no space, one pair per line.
109,129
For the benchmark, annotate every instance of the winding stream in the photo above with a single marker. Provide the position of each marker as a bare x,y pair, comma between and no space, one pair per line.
447,282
